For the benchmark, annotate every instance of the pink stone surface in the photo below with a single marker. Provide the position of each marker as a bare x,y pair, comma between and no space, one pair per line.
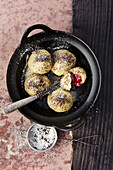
15,17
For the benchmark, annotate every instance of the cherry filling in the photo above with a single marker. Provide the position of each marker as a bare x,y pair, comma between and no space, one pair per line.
76,79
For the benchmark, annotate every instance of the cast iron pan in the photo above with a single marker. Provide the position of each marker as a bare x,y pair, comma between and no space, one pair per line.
38,111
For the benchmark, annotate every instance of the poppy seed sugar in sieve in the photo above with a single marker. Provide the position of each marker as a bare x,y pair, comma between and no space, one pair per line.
41,137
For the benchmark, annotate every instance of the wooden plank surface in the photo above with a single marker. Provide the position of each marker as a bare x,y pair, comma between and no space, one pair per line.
93,23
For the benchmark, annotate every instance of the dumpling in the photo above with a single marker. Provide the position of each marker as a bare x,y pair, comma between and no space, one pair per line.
36,83
65,82
78,76
63,61
40,62
60,100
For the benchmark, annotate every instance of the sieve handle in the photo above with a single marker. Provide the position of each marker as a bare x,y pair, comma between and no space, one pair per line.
34,27
79,140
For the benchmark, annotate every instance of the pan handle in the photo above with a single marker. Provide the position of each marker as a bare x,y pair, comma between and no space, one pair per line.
73,127
33,27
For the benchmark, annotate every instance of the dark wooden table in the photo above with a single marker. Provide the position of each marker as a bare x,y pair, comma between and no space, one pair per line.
93,23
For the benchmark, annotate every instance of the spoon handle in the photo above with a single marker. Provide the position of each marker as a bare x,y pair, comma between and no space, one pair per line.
18,104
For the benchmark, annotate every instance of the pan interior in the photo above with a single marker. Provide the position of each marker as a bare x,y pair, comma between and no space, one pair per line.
79,94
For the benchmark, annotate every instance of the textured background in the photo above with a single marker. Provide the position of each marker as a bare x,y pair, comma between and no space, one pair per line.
15,17
92,22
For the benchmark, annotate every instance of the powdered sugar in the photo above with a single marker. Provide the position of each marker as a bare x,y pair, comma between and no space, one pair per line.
41,138
61,96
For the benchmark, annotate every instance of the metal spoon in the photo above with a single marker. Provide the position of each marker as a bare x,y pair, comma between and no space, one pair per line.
18,104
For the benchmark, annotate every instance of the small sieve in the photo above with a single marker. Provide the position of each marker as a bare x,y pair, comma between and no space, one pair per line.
41,138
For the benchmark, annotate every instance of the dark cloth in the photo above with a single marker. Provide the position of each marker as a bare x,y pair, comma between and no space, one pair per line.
93,23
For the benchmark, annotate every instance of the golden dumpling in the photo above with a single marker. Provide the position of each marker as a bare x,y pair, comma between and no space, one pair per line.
40,62
36,83
79,76
60,100
63,62
65,82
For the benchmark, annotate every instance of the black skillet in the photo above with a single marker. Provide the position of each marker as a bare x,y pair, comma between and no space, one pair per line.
38,111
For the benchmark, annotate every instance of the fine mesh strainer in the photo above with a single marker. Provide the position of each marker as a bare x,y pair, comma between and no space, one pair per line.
42,138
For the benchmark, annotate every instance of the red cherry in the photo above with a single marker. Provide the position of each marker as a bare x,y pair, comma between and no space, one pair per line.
76,79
